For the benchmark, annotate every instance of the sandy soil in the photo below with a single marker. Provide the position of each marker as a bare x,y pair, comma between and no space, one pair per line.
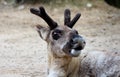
23,53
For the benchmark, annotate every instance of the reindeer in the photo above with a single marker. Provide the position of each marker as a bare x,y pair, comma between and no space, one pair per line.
65,58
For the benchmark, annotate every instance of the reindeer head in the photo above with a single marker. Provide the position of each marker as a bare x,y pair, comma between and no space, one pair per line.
62,40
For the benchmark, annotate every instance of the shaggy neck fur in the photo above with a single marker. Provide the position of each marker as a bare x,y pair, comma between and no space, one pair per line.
62,66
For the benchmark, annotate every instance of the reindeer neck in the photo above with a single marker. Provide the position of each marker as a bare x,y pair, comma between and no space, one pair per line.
58,62
66,65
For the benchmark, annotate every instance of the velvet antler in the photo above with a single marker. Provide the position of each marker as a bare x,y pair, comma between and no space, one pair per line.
67,18
42,13
74,20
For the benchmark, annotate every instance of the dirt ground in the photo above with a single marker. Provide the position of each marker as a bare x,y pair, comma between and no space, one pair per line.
23,53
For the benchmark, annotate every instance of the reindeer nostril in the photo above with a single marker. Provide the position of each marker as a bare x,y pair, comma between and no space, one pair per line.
75,41
84,42
72,41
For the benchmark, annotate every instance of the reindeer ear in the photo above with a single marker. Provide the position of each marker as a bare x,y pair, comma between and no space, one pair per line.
43,31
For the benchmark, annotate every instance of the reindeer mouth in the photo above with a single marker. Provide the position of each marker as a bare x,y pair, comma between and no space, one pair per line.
72,51
75,52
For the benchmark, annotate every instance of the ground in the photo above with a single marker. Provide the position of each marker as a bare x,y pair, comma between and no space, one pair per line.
23,53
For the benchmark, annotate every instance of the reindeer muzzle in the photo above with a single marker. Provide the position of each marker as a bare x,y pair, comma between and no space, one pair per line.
74,46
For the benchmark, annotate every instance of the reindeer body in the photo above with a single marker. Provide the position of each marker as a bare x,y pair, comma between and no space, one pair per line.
100,64
88,64
65,58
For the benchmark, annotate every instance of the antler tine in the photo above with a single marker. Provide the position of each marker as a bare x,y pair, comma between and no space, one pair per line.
42,13
67,17
74,20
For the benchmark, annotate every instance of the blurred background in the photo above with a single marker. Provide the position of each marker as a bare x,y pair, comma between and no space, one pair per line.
115,3
23,53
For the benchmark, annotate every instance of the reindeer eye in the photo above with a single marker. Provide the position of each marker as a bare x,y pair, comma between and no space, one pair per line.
56,34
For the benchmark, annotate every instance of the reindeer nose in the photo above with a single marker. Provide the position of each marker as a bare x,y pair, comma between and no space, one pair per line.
77,42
